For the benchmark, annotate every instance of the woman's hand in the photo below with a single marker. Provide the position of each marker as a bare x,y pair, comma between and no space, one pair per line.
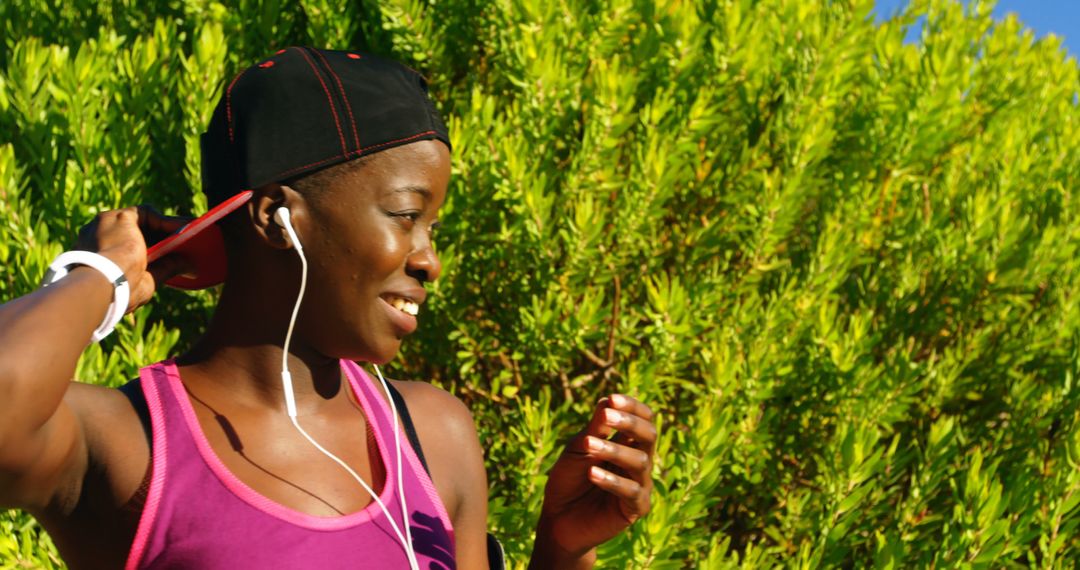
599,486
120,235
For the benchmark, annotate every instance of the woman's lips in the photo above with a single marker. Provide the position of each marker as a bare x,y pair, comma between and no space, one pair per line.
404,322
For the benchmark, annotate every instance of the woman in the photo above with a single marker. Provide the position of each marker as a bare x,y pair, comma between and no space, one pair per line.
211,460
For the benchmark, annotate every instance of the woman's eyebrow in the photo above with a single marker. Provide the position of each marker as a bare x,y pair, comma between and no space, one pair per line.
415,190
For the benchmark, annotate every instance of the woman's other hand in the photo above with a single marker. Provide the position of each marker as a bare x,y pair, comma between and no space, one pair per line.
121,236
599,486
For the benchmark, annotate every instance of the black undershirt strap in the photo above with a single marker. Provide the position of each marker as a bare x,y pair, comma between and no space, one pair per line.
407,423
496,554
134,393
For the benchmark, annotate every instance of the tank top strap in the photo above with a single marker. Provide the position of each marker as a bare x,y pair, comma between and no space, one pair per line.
163,390
162,407
371,395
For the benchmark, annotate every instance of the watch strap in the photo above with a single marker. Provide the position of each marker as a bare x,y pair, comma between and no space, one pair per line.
62,265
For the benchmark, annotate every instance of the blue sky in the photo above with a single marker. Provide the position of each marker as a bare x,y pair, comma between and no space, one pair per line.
1059,17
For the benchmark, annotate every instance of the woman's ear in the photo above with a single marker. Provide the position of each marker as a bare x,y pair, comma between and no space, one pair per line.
264,203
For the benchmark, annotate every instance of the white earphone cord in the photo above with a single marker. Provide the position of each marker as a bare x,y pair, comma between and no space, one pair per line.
397,448
290,406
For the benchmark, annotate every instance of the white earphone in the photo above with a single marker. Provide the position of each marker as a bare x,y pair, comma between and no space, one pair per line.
282,217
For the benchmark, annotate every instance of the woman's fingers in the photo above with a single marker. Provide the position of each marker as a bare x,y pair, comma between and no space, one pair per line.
636,498
157,226
632,406
598,425
622,414
636,463
168,267
629,452
622,487
633,421
122,236
623,464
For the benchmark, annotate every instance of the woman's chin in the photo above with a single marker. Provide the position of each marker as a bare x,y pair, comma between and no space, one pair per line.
381,361
373,351
386,352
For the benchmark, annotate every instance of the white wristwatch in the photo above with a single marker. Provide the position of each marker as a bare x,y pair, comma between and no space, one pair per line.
60,267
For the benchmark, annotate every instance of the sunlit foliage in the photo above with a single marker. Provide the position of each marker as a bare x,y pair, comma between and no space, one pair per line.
843,268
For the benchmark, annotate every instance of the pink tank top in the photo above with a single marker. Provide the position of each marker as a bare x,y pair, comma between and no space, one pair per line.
199,515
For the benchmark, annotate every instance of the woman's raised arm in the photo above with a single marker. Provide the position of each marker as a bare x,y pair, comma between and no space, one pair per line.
42,335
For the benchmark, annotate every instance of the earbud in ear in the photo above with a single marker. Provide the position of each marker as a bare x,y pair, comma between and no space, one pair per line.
281,216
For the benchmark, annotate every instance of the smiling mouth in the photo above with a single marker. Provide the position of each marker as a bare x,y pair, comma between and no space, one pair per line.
404,305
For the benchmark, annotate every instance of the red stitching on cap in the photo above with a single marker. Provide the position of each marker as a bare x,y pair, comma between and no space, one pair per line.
228,105
266,64
280,51
348,107
329,100
354,56
388,143
286,173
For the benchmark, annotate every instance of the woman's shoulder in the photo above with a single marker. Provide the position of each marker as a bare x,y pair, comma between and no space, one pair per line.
116,439
436,410
450,443
108,421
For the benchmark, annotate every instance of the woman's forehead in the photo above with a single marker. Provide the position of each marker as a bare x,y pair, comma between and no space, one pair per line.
421,169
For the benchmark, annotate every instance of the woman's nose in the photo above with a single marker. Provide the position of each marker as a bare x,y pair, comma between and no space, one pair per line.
424,264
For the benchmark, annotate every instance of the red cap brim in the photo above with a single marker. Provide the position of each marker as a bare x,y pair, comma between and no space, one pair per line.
201,244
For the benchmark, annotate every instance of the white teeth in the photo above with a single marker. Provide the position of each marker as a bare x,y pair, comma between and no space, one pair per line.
405,306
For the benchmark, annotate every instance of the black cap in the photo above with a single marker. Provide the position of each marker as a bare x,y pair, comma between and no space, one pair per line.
304,109
299,111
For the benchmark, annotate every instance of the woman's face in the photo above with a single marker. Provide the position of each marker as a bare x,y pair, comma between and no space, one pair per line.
368,243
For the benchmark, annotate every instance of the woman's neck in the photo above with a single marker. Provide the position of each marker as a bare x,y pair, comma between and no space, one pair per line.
241,353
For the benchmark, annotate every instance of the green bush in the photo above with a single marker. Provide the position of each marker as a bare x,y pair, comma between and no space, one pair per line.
842,268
